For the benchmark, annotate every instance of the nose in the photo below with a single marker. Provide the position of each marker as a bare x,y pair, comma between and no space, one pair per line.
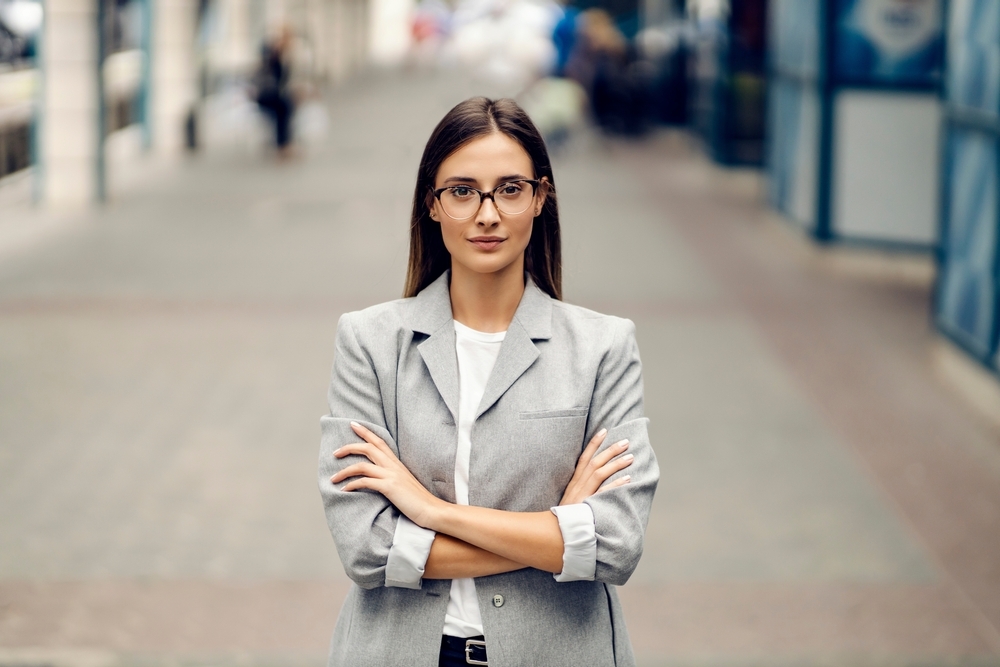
488,215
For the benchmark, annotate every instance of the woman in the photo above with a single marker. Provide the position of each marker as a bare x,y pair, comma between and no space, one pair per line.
474,528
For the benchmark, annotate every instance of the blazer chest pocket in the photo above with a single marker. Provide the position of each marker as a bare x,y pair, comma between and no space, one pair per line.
558,433
554,414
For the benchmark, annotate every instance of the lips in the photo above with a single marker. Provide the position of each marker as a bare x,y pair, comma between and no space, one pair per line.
486,242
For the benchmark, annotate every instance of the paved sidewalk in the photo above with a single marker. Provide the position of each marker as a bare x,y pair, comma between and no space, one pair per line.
825,499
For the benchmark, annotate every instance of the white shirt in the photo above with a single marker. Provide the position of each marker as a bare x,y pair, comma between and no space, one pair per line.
477,353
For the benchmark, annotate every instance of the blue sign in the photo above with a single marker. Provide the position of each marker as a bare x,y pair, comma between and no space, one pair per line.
888,41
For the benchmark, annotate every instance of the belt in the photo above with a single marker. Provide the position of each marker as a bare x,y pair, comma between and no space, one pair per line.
474,648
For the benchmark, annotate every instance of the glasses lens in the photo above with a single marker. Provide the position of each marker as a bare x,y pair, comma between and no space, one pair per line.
460,202
514,198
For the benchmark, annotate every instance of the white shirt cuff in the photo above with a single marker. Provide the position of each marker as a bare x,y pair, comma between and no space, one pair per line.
576,523
411,545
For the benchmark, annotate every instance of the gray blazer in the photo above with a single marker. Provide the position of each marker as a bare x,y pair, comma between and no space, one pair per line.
562,373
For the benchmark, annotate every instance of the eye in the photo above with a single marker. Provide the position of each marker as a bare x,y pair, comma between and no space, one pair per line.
510,189
462,191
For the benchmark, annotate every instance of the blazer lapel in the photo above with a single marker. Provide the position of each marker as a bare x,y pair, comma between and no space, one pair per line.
441,360
516,356
429,313
532,321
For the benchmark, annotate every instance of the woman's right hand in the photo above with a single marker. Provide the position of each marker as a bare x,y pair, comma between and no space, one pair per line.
592,470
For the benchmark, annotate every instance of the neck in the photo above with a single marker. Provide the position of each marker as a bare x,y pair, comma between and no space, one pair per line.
486,302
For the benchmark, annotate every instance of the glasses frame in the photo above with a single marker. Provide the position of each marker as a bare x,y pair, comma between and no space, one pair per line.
491,195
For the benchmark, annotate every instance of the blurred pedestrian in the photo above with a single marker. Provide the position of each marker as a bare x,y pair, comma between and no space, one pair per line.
617,82
485,514
564,37
273,92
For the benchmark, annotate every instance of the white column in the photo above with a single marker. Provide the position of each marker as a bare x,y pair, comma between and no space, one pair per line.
233,46
360,28
174,88
70,127
388,30
335,38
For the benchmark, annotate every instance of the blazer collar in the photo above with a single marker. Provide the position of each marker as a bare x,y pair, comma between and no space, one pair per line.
431,309
430,314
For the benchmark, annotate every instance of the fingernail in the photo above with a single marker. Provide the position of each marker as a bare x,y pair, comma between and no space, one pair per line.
623,444
628,457
603,431
627,478
355,424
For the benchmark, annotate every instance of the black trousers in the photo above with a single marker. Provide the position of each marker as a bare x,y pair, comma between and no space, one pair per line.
279,108
453,652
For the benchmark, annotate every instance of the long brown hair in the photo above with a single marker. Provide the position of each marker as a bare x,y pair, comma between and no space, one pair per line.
471,119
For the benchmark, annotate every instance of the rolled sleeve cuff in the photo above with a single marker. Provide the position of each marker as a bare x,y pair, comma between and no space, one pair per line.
576,523
411,545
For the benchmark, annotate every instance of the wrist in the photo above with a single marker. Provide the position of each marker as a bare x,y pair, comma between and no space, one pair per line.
434,515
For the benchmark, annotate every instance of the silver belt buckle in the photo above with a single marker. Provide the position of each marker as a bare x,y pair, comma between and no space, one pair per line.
469,645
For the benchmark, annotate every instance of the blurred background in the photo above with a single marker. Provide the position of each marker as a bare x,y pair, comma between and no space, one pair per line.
795,200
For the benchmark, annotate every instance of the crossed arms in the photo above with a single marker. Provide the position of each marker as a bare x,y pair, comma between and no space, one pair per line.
366,488
478,541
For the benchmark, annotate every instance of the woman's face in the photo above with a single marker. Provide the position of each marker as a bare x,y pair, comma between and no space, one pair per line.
489,241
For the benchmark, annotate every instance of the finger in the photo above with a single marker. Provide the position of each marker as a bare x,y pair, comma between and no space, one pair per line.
355,470
613,466
593,445
359,448
621,481
589,450
363,483
369,436
614,450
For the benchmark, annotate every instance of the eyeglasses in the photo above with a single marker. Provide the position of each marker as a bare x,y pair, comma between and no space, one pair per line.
461,202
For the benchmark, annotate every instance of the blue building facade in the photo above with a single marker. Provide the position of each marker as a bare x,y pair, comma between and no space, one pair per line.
854,118
967,307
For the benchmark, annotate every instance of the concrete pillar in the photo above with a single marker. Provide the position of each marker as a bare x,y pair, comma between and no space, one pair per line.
233,47
335,37
174,89
69,110
388,30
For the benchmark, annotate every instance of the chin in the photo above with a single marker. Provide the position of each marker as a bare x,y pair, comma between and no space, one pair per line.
489,264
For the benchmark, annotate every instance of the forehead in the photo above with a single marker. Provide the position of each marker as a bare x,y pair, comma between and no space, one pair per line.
487,158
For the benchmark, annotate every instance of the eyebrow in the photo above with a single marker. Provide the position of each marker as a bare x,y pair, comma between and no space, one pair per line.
502,179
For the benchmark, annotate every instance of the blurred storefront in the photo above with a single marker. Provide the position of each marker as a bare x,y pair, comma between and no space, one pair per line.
968,295
20,24
89,86
854,118
728,80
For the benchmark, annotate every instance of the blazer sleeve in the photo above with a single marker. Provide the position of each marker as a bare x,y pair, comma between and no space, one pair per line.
621,514
362,522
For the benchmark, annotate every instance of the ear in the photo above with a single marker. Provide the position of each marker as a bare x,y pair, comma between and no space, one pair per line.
543,193
429,202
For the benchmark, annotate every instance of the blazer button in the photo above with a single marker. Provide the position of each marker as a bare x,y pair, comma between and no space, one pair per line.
498,600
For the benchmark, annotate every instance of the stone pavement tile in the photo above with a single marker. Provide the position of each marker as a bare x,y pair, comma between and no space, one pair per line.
859,349
855,624
174,617
598,207
754,486
163,444
670,623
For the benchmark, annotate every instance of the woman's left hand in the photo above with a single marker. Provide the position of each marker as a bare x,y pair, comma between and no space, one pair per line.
385,473
593,469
